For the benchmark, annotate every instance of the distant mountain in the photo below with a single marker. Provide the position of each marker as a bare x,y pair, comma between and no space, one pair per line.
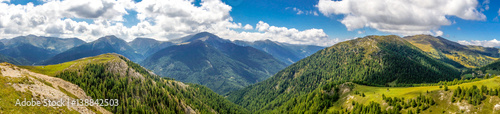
132,87
27,54
287,53
372,60
453,53
107,44
28,50
147,46
53,44
216,63
11,60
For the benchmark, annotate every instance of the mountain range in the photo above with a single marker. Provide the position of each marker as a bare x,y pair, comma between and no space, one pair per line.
287,53
28,50
107,44
216,63
220,64
203,73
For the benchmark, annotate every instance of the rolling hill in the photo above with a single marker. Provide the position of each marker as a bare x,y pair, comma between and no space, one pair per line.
107,44
214,62
310,84
458,55
287,53
112,76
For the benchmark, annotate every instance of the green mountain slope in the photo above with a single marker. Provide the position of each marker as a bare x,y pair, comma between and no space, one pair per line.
482,97
372,60
112,76
216,63
458,55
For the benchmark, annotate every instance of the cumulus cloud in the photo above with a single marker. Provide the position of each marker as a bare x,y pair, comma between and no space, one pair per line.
283,34
159,19
485,43
404,17
248,27
52,18
439,33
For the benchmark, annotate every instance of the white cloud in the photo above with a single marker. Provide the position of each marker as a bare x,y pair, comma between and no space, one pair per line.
248,27
404,17
299,11
283,34
486,4
439,33
485,43
159,19
51,18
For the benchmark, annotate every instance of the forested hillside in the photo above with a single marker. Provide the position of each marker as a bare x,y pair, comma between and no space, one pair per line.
112,76
372,60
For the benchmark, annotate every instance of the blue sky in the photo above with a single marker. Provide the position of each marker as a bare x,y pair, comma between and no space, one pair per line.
316,22
275,12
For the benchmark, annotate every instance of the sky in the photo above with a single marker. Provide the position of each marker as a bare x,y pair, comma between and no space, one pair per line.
311,22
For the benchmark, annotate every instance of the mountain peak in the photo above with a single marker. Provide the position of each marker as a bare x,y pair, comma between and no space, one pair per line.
110,39
143,39
31,35
203,36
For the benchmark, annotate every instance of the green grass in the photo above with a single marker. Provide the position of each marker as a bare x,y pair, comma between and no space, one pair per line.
375,94
67,93
44,82
52,70
8,97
